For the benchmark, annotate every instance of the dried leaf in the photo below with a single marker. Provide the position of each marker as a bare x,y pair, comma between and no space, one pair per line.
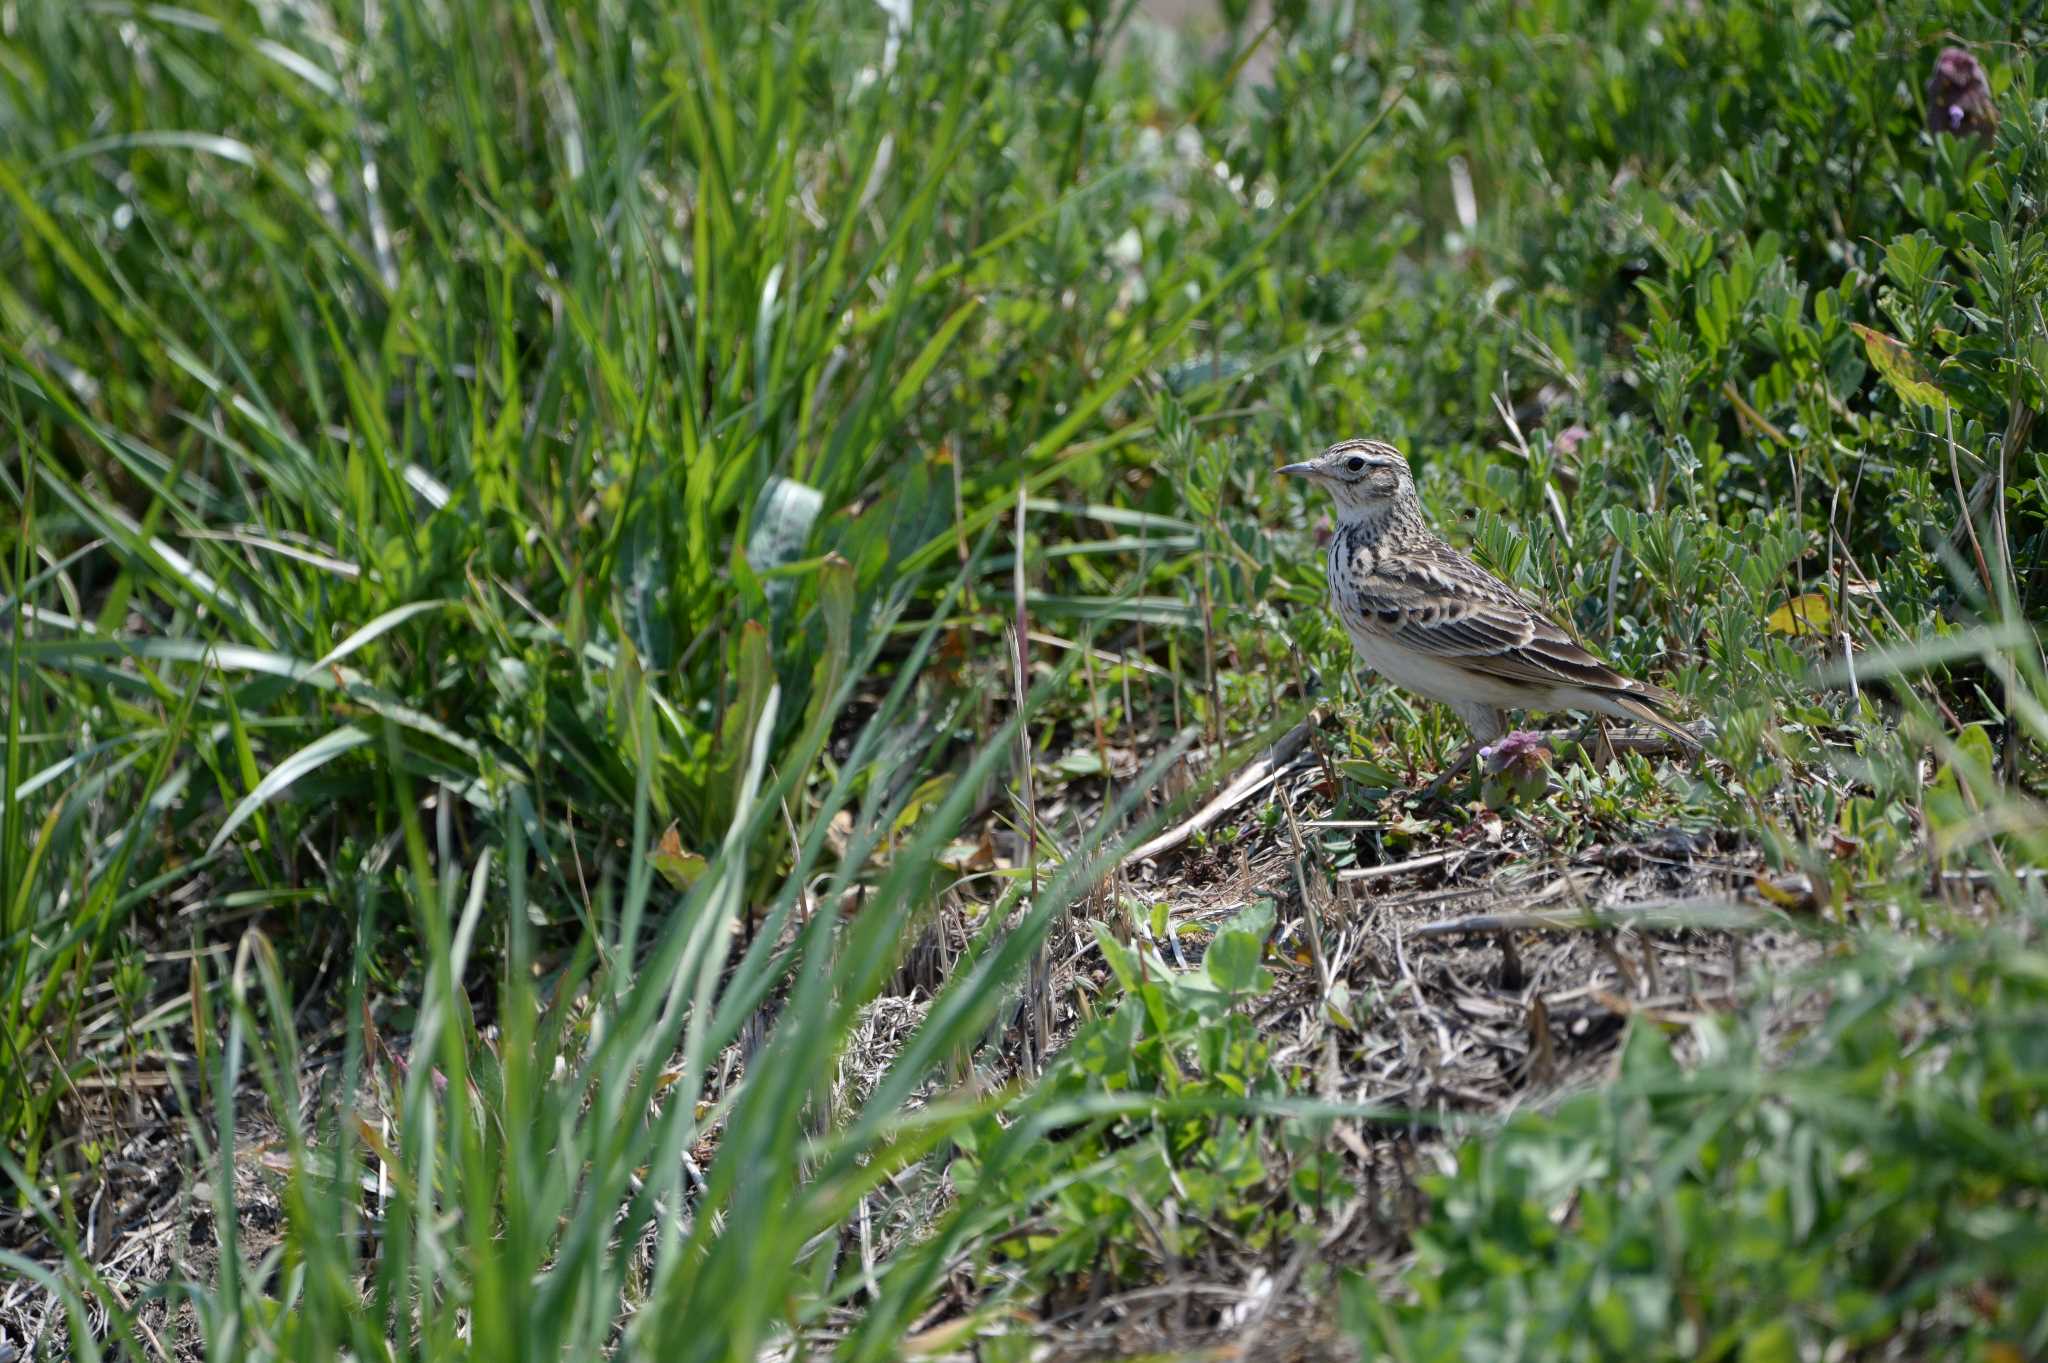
839,832
1542,1058
971,856
1081,762
679,867
1337,1006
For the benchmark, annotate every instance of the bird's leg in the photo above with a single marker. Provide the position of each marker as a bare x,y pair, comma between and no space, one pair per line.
1458,765
1486,725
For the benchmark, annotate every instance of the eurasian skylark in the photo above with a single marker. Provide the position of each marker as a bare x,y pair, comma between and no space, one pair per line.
1432,621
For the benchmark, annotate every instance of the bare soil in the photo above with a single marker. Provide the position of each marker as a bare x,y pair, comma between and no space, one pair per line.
1477,976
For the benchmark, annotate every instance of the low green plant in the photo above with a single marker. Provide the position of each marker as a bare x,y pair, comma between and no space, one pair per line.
1880,1185
1200,1159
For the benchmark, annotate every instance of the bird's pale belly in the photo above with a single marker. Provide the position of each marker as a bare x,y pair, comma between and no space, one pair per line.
1439,679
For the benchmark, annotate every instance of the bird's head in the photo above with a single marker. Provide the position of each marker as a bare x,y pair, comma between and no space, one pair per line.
1362,475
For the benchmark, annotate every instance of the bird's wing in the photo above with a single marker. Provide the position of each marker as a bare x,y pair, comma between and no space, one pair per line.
1439,602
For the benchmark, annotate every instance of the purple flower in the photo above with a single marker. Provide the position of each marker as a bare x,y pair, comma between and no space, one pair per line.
1517,768
1524,751
1959,96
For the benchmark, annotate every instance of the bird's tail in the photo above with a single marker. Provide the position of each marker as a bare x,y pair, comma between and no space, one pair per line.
1640,709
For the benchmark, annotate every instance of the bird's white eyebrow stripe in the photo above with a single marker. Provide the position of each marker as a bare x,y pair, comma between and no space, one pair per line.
1372,450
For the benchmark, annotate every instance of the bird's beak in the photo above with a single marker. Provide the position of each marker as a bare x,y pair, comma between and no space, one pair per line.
1296,468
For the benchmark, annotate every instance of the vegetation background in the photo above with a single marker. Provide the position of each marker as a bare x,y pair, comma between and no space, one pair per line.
553,549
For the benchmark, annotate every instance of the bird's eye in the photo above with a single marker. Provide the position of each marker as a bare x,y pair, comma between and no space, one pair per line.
1355,463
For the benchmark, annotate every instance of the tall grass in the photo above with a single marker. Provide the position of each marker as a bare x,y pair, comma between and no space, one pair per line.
487,483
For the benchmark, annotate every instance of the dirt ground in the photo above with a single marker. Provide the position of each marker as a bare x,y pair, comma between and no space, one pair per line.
1481,974
1484,974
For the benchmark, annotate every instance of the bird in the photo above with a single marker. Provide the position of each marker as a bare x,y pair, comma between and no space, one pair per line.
1432,621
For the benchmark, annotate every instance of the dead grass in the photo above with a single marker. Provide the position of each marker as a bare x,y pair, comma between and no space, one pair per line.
1460,983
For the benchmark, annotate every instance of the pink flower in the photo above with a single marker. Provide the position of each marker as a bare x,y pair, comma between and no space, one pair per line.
1524,749
1959,97
1517,768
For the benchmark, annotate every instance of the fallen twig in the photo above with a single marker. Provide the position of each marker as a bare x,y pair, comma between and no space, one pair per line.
1311,919
1254,778
1648,742
1394,868
1979,876
1713,913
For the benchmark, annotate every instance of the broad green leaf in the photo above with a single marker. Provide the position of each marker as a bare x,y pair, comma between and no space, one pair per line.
754,670
1948,801
313,756
835,606
1772,1343
1232,962
782,527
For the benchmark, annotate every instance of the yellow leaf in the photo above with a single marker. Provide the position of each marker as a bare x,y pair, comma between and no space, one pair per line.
927,795
1807,614
1901,370
1788,890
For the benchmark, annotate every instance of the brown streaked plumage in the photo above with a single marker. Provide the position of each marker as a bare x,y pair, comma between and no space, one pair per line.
1432,621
